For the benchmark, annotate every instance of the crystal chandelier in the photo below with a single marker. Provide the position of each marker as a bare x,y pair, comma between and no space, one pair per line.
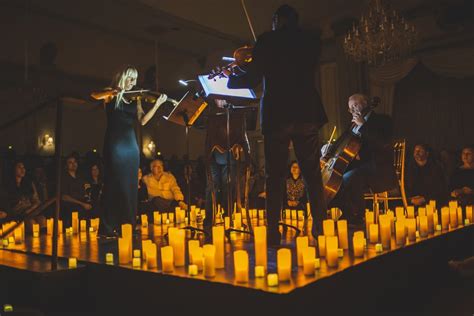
381,36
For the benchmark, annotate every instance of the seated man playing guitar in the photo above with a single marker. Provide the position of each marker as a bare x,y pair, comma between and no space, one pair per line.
372,167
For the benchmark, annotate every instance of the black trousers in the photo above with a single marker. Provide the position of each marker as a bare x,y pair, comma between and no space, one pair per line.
307,150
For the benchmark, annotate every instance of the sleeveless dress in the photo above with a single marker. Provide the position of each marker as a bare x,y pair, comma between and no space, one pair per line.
121,162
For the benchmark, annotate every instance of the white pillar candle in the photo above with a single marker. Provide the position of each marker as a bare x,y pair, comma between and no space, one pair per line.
328,227
144,220
284,264
459,213
453,217
36,230
301,245
385,231
342,234
272,279
192,245
331,251
410,212
151,260
309,258
156,218
209,252
83,225
227,222
259,271
241,266
136,262
218,241
192,270
167,259
374,233
369,219
145,245
72,263
421,211
399,211
124,250
469,213
358,244
179,248
410,224
237,220
198,258
109,258
430,215
400,232
322,245
423,226
260,237
75,222
445,218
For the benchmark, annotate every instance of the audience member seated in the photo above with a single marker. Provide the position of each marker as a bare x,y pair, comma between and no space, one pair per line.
163,190
22,197
257,193
93,190
73,190
295,189
142,197
425,180
461,184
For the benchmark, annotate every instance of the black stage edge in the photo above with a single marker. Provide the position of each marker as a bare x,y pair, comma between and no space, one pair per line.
413,280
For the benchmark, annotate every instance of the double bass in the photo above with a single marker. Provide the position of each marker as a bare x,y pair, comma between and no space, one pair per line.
340,155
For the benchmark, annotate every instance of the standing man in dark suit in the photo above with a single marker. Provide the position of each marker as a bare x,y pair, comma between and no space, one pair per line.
373,167
285,59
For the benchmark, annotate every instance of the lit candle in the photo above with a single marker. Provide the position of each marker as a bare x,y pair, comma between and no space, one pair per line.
192,270
423,226
192,245
410,224
309,258
410,212
72,263
453,217
167,259
136,253
218,241
49,226
151,254
399,212
237,220
260,237
328,227
400,232
171,217
421,211
322,245
317,263
144,220
227,222
301,245
284,264
342,234
136,262
83,225
358,244
18,235
164,218
209,252
179,247
259,271
75,222
374,233
378,248
300,215
369,220
445,218
241,266
385,231
272,279
35,230
430,215
156,218
127,233
198,258
261,214
459,221
124,250
95,223
293,217
469,213
145,244
109,258
331,251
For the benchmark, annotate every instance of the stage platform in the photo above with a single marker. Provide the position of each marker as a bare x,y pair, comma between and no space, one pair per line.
379,283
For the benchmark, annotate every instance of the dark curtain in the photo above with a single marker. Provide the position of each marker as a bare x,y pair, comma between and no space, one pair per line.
433,109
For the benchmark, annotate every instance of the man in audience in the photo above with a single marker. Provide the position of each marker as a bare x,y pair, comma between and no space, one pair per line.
163,189
461,184
73,192
425,180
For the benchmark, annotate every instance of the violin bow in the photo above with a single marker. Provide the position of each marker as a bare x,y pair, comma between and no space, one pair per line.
248,20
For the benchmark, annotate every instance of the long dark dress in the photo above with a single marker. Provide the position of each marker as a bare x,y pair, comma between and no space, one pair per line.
121,162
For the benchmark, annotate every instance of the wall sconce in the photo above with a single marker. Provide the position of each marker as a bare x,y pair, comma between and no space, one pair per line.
48,140
151,146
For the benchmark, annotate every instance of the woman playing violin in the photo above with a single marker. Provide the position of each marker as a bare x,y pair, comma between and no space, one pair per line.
121,152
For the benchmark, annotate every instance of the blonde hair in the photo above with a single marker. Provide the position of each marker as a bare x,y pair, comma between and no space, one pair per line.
362,98
119,81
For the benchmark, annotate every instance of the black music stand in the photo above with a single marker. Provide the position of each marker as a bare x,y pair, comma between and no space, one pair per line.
185,114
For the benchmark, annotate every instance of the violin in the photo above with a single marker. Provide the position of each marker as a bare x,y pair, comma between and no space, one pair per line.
131,95
241,57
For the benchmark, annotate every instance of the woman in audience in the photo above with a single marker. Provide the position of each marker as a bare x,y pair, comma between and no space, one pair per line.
461,184
295,189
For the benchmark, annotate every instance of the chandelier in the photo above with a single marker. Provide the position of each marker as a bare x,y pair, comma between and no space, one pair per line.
381,36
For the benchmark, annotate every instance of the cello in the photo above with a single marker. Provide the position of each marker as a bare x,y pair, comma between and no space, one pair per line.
337,159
